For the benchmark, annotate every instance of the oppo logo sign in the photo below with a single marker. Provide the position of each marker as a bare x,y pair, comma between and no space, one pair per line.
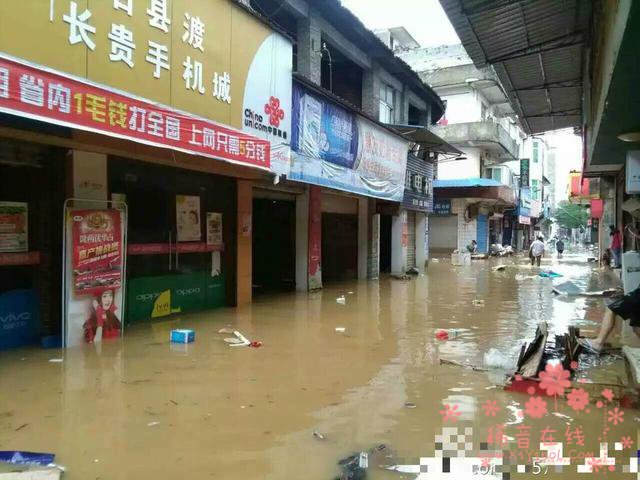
147,297
187,291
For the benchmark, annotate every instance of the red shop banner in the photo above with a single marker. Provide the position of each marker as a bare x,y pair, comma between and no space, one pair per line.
97,251
48,96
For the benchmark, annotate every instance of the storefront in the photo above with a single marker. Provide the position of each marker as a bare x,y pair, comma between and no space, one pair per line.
30,238
151,126
418,204
348,160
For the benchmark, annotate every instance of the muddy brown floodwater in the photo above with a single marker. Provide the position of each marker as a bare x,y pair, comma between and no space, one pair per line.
141,408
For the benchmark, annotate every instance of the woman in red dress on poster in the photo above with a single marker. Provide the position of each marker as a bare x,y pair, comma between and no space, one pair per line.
102,322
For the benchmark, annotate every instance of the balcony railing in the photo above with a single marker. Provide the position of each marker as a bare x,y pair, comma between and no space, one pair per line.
487,133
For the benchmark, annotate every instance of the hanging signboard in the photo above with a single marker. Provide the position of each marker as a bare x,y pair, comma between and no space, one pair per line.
334,148
442,207
524,172
188,218
94,274
14,227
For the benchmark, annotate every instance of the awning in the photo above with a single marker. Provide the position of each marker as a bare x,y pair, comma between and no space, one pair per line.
483,189
537,50
427,138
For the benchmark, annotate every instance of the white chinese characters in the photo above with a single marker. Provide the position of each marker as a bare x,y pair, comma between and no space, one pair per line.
222,87
122,45
79,26
193,75
194,32
158,56
158,12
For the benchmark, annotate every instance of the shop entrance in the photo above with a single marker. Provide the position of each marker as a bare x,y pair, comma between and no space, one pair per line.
385,243
181,238
274,248
339,237
33,180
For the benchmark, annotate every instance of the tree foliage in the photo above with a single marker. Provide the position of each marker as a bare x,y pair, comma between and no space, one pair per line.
569,215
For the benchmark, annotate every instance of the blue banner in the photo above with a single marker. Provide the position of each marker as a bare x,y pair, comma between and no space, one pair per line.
335,148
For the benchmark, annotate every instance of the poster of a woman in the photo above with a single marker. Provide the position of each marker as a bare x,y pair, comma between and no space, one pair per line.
103,321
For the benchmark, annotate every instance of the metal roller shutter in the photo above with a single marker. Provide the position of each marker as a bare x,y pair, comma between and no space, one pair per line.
411,247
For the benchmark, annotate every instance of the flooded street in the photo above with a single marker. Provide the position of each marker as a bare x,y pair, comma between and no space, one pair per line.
146,409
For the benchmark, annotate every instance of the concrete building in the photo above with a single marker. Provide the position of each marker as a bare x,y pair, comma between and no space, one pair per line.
341,65
479,121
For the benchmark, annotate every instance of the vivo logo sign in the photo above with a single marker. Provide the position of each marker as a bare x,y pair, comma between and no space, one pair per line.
14,320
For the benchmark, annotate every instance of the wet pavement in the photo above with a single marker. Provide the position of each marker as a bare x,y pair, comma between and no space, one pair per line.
142,408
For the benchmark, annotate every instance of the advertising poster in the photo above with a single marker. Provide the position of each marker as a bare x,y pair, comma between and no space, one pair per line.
96,251
214,228
14,227
188,218
333,147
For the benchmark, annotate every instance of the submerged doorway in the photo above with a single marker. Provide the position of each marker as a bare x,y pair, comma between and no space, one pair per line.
274,247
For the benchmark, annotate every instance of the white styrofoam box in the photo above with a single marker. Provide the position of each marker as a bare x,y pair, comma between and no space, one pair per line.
633,172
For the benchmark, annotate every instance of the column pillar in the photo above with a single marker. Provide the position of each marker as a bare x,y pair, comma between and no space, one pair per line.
309,49
315,237
363,237
399,241
421,241
302,242
244,257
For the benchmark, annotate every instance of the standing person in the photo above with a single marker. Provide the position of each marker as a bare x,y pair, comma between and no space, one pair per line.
616,246
536,250
560,247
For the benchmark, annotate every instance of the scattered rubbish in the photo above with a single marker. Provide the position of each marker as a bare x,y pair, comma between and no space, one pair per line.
27,458
448,334
21,427
400,276
182,336
354,467
350,293
153,424
341,300
413,271
592,259
477,303
242,341
435,260
56,360
226,330
549,274
464,365
409,405
255,344
572,290
174,402
460,259
479,256
530,358
499,268
318,435
341,329
495,358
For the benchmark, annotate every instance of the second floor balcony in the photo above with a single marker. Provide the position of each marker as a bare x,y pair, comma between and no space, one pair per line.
486,134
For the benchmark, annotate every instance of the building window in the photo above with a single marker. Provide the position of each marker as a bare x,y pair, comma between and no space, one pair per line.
387,102
536,147
417,183
408,181
483,111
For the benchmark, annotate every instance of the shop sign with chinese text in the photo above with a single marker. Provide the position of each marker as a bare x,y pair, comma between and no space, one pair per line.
196,60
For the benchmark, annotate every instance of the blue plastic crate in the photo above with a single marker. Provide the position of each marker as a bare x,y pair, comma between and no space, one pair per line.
183,336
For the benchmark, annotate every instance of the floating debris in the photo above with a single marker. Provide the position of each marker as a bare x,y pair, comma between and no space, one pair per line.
341,329
56,360
318,435
341,300
409,405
